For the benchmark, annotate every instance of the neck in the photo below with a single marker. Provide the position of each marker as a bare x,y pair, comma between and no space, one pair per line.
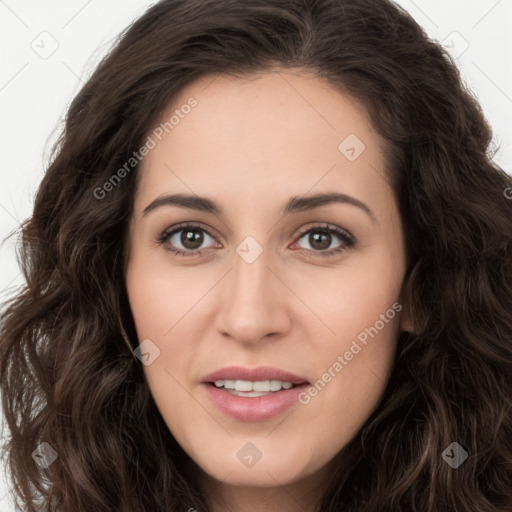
304,495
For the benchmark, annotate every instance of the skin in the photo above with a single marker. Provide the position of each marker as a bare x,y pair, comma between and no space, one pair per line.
250,144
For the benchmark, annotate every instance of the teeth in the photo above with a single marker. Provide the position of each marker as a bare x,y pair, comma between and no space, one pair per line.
228,384
243,385
259,386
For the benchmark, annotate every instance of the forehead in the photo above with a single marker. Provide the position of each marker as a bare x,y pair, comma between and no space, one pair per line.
260,136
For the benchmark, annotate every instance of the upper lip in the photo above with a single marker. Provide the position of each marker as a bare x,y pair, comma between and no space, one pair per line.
261,373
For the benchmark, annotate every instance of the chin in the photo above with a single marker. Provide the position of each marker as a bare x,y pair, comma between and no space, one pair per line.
270,470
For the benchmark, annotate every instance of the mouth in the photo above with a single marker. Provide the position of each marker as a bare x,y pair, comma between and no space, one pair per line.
253,394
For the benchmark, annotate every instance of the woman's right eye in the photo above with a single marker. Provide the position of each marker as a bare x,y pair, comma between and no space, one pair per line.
190,236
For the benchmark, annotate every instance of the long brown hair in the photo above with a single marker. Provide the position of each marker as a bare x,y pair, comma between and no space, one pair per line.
69,379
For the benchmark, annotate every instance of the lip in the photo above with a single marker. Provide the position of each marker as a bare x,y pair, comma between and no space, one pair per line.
253,374
253,408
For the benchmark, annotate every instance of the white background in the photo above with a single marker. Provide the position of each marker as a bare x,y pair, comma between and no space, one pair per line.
35,91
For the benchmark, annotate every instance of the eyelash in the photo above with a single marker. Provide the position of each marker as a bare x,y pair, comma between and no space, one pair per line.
347,240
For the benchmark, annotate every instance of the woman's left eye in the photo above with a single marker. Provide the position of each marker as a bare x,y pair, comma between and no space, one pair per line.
320,239
187,239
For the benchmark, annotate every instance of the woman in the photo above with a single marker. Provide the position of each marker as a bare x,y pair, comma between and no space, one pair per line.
269,267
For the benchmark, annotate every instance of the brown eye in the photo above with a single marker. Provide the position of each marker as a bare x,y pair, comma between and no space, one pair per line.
321,238
186,239
191,239
319,241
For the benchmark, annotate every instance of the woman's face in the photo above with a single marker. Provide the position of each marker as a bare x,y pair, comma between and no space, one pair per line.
266,169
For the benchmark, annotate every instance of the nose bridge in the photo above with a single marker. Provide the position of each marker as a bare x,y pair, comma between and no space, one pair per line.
251,306
249,284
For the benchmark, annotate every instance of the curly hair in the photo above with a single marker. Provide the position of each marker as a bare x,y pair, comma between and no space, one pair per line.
69,376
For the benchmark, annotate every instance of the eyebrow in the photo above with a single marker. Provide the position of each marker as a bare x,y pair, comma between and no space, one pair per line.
295,204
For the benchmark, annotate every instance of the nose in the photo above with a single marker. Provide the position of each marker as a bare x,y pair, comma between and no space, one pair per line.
253,302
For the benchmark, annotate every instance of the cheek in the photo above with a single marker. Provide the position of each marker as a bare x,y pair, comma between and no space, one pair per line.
165,306
343,301
162,297
350,384
354,356
164,312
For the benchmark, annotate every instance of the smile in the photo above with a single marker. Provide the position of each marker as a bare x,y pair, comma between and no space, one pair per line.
253,394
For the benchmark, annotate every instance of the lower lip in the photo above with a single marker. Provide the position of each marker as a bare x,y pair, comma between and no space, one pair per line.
254,408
